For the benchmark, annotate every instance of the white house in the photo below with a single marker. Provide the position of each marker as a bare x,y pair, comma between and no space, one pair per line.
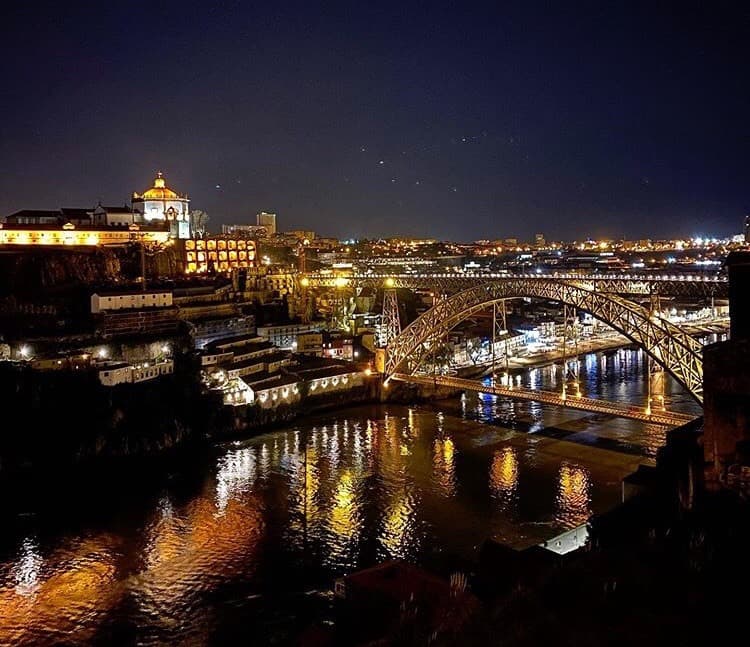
281,389
122,373
130,300
114,374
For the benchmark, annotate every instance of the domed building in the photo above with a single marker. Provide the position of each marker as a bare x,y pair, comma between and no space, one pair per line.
160,204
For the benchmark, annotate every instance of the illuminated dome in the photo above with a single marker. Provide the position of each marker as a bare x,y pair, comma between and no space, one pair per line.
159,191
159,206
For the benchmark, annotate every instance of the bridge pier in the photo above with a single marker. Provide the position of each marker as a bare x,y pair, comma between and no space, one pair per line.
410,392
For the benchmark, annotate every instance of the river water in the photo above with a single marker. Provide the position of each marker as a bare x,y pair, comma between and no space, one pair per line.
245,540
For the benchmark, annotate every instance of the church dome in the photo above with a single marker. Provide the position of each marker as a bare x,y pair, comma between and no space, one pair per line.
160,191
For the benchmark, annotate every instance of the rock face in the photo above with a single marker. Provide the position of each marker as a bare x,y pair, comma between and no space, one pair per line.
25,273
159,264
66,418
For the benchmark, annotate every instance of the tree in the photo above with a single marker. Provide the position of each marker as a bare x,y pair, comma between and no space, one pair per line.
198,220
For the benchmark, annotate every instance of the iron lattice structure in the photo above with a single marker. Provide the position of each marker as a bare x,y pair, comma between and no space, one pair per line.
391,320
444,283
669,346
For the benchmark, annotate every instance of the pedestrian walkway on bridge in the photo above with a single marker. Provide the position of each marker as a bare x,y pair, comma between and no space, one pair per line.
573,400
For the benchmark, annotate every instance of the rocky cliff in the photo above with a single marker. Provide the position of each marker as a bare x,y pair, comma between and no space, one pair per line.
25,273
60,418
30,273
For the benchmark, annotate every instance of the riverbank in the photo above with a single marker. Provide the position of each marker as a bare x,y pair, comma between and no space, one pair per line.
73,419
517,364
251,419
66,418
70,418
403,392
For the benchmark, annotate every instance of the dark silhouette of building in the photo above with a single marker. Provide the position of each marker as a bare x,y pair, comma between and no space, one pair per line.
726,379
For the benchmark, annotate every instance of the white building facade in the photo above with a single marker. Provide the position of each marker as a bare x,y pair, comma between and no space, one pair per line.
160,204
130,300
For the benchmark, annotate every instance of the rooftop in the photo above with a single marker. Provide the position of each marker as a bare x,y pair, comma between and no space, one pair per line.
271,382
228,342
120,209
160,191
111,366
122,293
271,357
251,346
326,371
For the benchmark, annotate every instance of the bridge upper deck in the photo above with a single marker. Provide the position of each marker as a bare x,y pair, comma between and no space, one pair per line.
695,285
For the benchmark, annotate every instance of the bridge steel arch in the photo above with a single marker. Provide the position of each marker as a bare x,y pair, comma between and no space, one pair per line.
674,350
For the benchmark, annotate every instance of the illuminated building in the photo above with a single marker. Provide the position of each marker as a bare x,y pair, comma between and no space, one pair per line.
115,216
162,204
310,343
130,300
264,227
302,234
69,234
155,216
249,231
285,336
115,373
201,255
50,217
267,220
747,228
275,390
158,216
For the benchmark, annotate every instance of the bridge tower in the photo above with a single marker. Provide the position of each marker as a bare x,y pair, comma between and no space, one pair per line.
571,333
391,321
655,376
500,329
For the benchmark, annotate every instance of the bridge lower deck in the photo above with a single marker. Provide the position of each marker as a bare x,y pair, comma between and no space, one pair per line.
572,401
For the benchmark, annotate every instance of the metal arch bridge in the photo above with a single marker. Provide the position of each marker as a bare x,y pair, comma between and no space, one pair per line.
669,346
689,285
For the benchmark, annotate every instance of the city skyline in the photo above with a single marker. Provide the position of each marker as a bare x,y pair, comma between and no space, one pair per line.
369,122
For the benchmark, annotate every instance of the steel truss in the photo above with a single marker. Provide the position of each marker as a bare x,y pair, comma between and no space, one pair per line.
442,284
391,320
669,346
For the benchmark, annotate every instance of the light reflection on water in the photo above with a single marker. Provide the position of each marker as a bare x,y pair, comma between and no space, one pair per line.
573,495
504,477
26,570
444,464
297,507
406,485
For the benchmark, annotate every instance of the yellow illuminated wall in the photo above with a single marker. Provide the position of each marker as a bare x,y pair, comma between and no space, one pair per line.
217,254
75,237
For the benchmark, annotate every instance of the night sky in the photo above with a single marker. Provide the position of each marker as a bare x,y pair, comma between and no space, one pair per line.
458,121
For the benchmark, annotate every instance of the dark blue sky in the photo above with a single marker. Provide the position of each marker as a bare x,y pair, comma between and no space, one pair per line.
455,120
